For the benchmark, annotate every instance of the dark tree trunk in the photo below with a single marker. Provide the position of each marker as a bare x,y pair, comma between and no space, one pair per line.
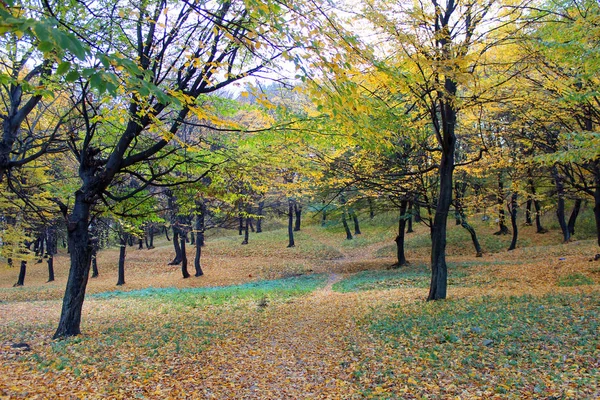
574,215
130,240
528,220
51,249
184,262
345,223
122,253
140,243
241,221
471,230
197,257
371,208
536,204
81,256
356,224
417,212
251,224
560,206
199,228
502,228
468,227
95,263
259,218
439,269
324,217
39,249
50,262
246,231
298,212
22,272
150,238
400,237
95,245
513,220
409,221
538,217
291,223
167,234
176,247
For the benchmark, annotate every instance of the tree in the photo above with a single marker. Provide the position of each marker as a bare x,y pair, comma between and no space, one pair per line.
31,44
560,50
201,49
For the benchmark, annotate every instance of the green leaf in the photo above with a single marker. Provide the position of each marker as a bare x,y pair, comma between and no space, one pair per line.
72,76
63,67
46,47
98,83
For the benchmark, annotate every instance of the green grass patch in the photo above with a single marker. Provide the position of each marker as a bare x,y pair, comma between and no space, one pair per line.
412,276
257,290
503,345
575,279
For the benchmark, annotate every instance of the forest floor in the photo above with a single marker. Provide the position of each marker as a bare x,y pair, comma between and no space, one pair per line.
326,319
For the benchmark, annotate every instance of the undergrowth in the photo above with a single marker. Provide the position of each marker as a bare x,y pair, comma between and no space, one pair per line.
510,347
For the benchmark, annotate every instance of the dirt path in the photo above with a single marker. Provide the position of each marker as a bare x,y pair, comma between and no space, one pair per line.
294,350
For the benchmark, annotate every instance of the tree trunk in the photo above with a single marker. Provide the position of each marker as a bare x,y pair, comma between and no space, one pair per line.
259,218
81,256
371,208
184,262
528,220
502,228
199,228
573,217
147,229
355,220
50,262
176,247
298,212
439,269
560,206
167,234
39,249
291,223
246,231
471,230
400,237
417,212
51,249
22,272
241,221
95,263
150,237
536,204
345,223
140,243
409,221
122,252
513,220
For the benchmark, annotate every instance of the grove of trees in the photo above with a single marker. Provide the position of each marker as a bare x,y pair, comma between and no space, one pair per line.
131,119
